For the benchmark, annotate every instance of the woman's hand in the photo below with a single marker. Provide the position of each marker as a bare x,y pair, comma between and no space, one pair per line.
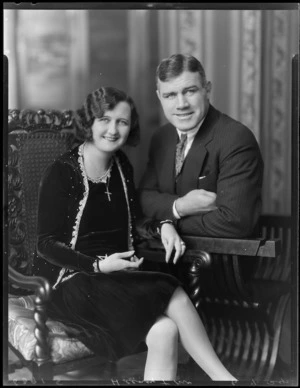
171,240
116,262
134,259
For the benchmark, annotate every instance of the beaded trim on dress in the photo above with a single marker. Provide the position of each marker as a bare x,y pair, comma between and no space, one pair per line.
82,203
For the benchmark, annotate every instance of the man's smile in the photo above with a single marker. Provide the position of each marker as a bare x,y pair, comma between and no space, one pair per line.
183,115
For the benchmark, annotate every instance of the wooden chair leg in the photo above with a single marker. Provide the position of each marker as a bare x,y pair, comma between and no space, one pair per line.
113,369
42,373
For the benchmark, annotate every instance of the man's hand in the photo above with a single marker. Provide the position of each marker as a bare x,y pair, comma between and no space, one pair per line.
196,201
116,262
171,240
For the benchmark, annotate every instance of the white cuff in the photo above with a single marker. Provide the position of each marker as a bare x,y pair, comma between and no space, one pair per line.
176,215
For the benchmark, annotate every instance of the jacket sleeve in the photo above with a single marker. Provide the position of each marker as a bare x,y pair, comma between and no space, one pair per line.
239,188
53,213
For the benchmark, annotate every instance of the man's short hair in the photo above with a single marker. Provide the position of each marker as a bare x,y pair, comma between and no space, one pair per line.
176,64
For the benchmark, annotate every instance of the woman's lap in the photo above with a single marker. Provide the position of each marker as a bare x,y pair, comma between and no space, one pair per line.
120,306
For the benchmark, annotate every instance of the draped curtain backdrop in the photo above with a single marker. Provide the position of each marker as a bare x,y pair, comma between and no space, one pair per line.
57,56
247,56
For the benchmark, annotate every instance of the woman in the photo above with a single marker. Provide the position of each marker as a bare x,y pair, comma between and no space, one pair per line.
86,237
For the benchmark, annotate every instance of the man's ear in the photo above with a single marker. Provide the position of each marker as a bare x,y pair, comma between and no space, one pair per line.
208,87
157,93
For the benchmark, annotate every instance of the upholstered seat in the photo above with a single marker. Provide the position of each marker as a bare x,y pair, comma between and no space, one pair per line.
21,326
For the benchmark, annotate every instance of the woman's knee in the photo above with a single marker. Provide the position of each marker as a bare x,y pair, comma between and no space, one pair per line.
164,332
181,297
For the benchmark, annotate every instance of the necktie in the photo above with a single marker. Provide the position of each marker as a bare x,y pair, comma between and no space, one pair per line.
180,147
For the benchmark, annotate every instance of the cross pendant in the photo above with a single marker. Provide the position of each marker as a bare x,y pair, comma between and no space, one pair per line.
107,193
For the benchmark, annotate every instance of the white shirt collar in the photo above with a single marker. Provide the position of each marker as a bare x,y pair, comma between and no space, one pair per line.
191,133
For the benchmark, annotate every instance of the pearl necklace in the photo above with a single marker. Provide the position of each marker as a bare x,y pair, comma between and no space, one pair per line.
105,178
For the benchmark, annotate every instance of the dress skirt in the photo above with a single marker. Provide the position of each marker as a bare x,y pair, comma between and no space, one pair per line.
112,313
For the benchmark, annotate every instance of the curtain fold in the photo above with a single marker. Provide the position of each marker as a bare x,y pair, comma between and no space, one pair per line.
57,56
247,56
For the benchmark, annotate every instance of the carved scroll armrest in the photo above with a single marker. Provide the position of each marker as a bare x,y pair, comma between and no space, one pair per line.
34,283
42,290
195,260
223,257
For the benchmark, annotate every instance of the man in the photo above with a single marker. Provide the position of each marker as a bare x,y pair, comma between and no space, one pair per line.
211,185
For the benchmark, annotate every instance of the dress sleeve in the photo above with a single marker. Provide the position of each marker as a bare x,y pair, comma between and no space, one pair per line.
53,213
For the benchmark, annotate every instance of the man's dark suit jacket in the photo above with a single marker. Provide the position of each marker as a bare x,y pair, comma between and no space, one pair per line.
224,158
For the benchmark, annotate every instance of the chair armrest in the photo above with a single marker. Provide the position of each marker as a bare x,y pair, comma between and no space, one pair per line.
227,246
42,289
154,251
34,283
222,257
231,246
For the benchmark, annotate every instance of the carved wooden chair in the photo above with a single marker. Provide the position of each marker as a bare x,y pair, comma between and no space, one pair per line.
240,286
35,139
241,293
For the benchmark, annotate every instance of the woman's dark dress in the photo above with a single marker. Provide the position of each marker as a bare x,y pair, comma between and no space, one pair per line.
112,313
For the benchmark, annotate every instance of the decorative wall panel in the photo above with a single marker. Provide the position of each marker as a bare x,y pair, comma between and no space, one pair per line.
280,88
44,41
276,145
52,55
251,71
191,30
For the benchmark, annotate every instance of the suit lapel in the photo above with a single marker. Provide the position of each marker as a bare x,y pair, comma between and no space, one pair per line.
195,158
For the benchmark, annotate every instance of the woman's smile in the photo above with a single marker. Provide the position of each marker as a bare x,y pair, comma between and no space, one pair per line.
111,138
111,131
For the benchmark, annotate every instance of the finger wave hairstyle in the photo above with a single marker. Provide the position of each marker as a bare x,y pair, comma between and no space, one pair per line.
95,106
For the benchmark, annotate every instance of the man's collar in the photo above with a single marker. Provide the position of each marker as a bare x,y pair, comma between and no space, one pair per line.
191,133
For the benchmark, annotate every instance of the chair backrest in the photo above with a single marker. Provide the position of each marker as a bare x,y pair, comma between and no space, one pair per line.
35,140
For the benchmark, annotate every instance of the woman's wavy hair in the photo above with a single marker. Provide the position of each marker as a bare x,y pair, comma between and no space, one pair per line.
95,106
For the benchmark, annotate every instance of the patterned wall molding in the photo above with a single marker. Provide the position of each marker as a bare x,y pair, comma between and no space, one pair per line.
280,134
251,71
192,33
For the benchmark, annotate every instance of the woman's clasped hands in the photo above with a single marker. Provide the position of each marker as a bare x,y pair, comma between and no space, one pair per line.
129,261
119,261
